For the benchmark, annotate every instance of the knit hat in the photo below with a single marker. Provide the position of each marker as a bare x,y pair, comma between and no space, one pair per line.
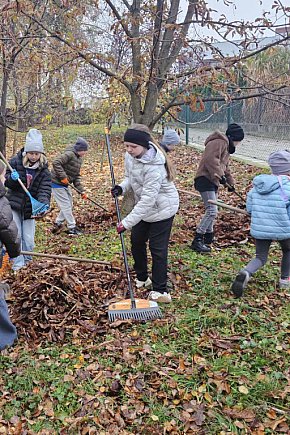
81,145
235,132
279,162
34,141
2,167
137,137
170,137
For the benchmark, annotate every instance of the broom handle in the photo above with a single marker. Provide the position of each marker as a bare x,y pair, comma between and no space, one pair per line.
11,169
94,202
65,257
133,301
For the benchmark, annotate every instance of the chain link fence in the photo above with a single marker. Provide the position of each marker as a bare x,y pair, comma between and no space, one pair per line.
266,124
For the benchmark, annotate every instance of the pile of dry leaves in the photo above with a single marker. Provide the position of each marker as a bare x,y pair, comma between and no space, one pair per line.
51,301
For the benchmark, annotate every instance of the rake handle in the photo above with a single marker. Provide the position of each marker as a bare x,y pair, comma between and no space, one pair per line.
65,257
90,199
11,169
237,193
229,207
218,203
132,298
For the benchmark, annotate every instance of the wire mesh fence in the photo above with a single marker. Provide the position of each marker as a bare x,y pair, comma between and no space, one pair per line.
266,124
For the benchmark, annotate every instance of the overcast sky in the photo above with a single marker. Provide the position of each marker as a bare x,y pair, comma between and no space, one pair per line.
246,10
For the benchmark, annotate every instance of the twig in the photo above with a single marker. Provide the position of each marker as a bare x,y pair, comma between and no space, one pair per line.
70,311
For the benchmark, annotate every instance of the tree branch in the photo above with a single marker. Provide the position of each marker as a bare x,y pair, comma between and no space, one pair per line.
119,18
82,55
230,61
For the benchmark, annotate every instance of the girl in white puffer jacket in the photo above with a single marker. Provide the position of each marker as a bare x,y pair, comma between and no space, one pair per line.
156,203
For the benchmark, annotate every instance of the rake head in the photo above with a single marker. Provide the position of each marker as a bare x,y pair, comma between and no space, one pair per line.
38,207
146,310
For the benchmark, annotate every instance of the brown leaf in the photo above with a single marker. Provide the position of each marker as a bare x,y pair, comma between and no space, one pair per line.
245,414
198,416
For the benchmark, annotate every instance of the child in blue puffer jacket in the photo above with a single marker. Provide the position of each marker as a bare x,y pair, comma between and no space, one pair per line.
268,202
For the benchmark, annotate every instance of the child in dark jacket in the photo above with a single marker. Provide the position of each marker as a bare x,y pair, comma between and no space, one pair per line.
268,202
30,165
66,170
10,239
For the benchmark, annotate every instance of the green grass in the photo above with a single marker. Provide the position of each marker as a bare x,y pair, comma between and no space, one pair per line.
147,376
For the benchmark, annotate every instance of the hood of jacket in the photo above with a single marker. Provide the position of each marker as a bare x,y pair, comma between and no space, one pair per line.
154,156
71,148
216,135
267,183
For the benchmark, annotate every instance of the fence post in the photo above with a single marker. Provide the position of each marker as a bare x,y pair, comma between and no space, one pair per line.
186,124
229,113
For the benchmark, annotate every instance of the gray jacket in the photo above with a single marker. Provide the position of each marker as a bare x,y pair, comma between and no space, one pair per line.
156,198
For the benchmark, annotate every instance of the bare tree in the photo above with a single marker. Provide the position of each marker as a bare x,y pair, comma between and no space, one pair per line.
161,62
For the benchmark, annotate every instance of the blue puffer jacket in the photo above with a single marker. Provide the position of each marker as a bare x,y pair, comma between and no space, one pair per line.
269,206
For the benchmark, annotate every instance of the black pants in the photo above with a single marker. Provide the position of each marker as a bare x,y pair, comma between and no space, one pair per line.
158,234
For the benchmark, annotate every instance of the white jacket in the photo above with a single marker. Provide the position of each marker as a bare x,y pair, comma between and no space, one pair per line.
156,198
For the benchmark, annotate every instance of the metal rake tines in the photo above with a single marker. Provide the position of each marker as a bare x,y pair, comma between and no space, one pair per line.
137,314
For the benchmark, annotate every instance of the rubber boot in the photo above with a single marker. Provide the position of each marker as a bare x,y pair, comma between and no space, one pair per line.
199,246
208,238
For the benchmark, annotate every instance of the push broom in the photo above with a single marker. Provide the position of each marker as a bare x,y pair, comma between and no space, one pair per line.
37,206
136,309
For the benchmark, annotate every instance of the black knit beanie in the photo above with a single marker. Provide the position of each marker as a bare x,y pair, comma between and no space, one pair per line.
81,145
235,132
137,137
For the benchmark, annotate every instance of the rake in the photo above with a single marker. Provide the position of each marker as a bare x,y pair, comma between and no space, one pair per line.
235,192
37,206
136,309
89,199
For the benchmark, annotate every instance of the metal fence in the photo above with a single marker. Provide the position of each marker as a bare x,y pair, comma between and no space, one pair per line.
266,124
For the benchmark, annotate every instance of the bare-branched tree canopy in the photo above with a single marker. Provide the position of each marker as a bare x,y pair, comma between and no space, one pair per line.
156,55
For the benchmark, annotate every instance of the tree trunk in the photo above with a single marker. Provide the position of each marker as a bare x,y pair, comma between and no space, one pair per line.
3,104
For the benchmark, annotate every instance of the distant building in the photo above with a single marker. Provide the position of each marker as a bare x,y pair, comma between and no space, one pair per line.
239,47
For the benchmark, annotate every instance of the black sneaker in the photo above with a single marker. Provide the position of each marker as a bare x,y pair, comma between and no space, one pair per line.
240,283
74,232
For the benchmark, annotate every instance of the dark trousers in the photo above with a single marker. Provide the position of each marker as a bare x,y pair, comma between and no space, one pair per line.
158,234
262,251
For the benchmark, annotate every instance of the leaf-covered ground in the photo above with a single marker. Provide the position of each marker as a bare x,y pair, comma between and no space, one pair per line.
212,365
